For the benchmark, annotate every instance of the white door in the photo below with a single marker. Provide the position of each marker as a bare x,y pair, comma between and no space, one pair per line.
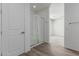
13,28
0,29
72,26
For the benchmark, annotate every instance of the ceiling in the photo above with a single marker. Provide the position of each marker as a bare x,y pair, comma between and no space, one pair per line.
56,10
39,6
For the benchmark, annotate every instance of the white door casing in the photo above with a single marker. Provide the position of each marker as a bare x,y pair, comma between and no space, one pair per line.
0,28
13,28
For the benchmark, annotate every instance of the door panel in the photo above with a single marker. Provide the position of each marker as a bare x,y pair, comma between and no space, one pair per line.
0,29
13,28
73,35
72,26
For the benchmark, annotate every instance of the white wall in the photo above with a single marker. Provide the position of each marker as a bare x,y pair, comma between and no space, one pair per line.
27,27
31,27
59,26
56,10
57,14
51,27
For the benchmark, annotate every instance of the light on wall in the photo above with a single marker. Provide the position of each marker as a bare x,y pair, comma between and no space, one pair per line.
34,6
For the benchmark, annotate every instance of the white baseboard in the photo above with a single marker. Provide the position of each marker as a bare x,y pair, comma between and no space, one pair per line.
37,44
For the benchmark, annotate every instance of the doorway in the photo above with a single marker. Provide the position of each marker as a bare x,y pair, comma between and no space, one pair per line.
38,31
56,26
39,22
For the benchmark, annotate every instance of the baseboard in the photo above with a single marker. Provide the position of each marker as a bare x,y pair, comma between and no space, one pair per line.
27,50
37,44
75,51
58,35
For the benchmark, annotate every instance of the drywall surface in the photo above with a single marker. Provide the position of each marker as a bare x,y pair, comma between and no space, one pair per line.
27,27
51,27
56,10
59,26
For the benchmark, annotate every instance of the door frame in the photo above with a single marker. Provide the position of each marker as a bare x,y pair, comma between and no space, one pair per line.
1,29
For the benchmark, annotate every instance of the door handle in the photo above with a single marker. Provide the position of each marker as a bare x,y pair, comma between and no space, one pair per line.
22,32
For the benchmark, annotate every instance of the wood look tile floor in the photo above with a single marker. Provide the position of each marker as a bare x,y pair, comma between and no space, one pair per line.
55,47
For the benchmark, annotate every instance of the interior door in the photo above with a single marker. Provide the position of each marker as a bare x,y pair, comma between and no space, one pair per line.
13,28
0,29
72,26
